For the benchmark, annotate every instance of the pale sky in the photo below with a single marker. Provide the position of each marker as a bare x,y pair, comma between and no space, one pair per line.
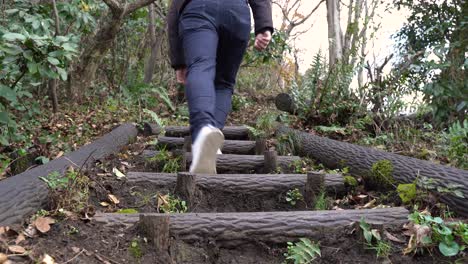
316,38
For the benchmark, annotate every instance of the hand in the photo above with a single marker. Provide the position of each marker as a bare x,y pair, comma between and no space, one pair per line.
181,75
262,40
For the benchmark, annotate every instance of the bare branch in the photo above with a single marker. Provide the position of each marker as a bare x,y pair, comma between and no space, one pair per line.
309,15
114,6
57,18
130,8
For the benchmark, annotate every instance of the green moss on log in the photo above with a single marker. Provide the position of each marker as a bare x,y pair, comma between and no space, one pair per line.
350,181
382,174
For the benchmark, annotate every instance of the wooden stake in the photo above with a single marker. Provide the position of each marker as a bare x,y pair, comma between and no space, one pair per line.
156,229
271,161
314,185
185,187
260,146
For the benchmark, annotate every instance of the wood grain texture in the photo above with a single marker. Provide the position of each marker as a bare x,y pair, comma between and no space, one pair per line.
232,229
239,163
230,146
240,183
334,154
230,132
25,193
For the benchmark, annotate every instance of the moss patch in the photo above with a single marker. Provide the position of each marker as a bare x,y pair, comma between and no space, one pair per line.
350,181
382,174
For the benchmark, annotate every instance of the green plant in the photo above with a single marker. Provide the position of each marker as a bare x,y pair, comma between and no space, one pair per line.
457,138
293,196
70,192
239,102
264,125
451,238
302,252
165,161
407,192
321,202
286,144
374,240
135,249
170,204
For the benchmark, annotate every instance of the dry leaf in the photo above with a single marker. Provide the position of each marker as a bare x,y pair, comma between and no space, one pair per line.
3,258
392,237
370,204
411,246
60,154
422,231
46,259
104,204
76,250
43,224
17,249
118,173
113,199
30,231
20,239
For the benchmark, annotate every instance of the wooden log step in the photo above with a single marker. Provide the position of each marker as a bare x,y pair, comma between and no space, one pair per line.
240,183
239,163
233,229
230,132
230,146
24,194
359,160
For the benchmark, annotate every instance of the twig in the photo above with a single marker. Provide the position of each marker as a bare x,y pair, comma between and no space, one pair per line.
86,160
79,253
104,258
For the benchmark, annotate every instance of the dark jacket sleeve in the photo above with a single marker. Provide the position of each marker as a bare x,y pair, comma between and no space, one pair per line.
176,52
262,14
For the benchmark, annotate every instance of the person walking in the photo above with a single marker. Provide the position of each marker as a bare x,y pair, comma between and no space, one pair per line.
207,41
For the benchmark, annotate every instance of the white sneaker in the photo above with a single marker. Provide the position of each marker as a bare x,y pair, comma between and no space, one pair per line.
204,150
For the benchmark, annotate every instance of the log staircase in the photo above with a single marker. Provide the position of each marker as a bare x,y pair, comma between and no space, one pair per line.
248,173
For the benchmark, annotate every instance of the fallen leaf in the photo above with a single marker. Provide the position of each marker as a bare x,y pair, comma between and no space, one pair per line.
118,173
20,239
392,237
46,259
76,250
60,154
3,258
422,231
370,204
17,249
30,231
113,199
104,204
43,224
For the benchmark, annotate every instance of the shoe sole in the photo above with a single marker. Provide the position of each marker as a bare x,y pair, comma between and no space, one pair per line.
207,161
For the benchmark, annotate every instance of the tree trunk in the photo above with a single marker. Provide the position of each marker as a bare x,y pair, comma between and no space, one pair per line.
53,95
335,36
97,46
359,160
53,82
151,61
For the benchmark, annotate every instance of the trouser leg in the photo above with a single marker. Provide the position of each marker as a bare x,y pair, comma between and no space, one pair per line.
200,43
